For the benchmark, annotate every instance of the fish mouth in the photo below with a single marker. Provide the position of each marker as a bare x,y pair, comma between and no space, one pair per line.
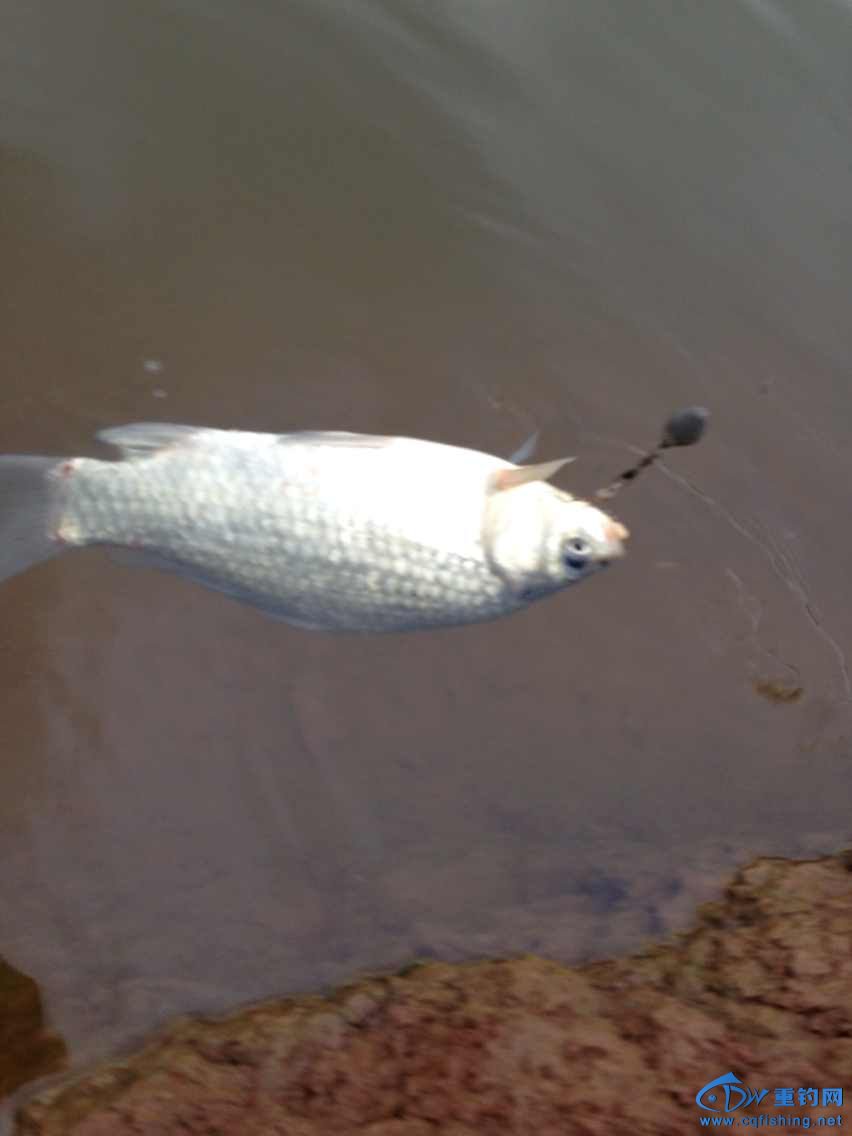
615,534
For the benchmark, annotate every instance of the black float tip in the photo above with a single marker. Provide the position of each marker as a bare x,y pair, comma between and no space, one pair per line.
685,427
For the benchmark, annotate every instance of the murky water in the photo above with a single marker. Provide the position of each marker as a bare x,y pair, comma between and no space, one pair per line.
449,221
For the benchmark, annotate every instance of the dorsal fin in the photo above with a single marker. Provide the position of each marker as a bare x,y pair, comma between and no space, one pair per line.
141,439
523,474
526,449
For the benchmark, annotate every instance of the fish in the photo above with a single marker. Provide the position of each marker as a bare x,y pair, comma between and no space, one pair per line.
326,530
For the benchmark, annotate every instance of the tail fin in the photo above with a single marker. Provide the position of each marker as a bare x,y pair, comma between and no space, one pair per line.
30,510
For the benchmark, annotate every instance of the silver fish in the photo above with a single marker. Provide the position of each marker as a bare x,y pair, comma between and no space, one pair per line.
326,530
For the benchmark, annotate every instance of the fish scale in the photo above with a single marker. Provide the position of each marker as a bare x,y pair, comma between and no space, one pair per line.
257,518
326,530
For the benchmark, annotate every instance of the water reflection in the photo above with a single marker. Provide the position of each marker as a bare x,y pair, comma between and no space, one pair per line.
446,225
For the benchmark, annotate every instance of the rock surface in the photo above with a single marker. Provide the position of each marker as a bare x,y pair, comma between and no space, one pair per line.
27,1048
761,985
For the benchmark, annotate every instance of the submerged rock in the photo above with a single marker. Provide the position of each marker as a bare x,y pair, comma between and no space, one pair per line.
27,1048
762,985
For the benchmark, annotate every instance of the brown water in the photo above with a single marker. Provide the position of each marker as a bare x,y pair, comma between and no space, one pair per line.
447,221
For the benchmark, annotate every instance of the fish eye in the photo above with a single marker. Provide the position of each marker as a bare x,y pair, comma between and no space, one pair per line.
576,553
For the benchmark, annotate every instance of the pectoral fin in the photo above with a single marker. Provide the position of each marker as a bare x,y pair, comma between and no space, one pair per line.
523,474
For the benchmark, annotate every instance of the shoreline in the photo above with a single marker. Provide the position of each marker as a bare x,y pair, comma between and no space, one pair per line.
761,983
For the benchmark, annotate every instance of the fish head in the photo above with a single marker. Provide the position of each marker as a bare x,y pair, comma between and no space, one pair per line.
539,539
581,539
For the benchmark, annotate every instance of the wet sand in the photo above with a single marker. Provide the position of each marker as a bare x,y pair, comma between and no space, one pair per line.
448,230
